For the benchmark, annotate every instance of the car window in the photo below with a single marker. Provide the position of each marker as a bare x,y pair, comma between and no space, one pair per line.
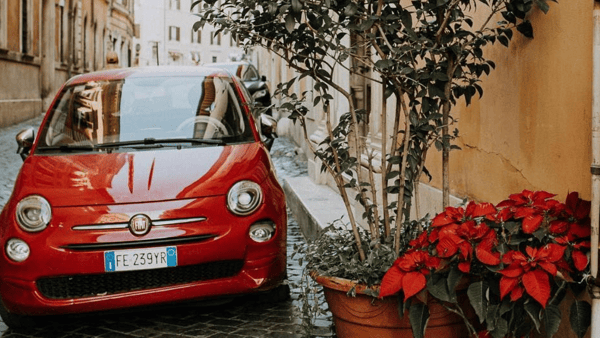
205,108
251,74
248,98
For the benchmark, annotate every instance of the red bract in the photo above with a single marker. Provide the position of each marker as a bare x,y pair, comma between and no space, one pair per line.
459,215
457,232
408,273
528,206
526,198
578,217
579,258
531,271
577,208
420,242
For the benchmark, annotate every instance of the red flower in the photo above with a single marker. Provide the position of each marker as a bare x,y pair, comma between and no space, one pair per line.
408,273
528,205
459,215
579,258
457,232
578,212
531,271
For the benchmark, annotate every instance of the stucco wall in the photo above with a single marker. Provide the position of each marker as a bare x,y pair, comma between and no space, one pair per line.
19,97
531,129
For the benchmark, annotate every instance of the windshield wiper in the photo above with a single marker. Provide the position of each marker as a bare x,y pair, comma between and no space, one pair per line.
70,147
144,142
153,141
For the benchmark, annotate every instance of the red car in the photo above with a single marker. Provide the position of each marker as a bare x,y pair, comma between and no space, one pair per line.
143,186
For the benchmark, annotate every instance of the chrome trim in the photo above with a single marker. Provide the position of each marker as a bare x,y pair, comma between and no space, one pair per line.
102,226
164,222
112,226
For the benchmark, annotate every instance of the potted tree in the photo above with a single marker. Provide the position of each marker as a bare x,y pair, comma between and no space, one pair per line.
425,54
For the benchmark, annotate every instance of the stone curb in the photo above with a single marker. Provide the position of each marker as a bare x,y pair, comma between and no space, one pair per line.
314,206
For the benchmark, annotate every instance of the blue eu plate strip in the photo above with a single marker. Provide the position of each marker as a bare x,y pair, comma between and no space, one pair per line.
109,261
171,256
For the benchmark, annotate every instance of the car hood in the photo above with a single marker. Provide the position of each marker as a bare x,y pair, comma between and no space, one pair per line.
141,176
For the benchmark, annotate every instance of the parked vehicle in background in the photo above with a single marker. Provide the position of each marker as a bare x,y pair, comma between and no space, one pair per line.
143,186
256,84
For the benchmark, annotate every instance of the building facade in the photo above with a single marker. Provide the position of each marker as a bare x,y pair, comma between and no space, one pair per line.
167,37
43,43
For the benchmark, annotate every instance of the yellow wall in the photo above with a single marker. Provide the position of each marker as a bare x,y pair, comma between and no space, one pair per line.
531,129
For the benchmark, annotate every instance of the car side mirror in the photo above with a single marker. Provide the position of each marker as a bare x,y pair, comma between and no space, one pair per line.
263,78
25,140
268,126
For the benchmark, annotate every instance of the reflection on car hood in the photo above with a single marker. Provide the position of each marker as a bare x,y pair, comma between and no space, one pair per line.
143,176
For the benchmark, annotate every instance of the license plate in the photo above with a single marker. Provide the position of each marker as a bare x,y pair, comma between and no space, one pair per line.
140,259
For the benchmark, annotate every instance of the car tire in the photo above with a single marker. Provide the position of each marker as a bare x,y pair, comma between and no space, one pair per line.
15,321
276,295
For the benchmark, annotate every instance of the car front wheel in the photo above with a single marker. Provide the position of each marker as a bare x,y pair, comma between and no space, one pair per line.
15,321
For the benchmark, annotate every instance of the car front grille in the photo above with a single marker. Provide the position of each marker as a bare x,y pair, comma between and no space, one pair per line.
78,286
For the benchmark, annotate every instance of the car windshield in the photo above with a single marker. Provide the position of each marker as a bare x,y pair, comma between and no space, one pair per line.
201,110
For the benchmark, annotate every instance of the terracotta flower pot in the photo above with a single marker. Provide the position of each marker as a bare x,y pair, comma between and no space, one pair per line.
365,316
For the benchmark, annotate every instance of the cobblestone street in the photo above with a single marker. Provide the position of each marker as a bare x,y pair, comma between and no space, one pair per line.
243,317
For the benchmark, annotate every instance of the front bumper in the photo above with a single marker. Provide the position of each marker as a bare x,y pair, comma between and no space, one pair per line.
63,256
24,297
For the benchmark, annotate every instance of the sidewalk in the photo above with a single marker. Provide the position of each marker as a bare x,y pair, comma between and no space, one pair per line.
314,206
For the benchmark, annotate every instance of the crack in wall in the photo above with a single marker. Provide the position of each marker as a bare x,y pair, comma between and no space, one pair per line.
502,158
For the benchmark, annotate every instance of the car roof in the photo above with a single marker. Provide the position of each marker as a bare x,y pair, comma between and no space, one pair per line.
217,64
153,71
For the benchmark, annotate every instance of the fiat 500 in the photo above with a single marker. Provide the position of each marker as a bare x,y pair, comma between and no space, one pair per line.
142,186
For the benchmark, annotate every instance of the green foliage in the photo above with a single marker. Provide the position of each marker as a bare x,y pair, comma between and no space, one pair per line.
419,316
580,316
427,55
334,253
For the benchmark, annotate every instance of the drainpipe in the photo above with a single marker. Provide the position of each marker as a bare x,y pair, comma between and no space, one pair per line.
595,168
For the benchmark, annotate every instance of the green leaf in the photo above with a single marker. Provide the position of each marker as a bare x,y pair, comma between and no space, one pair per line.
194,3
477,295
296,6
439,289
454,278
580,317
509,16
492,317
197,25
351,9
526,29
543,5
503,40
272,8
552,319
534,311
501,329
419,316
289,23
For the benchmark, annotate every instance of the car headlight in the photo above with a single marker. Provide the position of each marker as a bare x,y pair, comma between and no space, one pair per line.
262,231
33,213
259,94
244,198
17,250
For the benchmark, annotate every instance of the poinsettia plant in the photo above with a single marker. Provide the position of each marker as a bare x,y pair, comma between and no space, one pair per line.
516,261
